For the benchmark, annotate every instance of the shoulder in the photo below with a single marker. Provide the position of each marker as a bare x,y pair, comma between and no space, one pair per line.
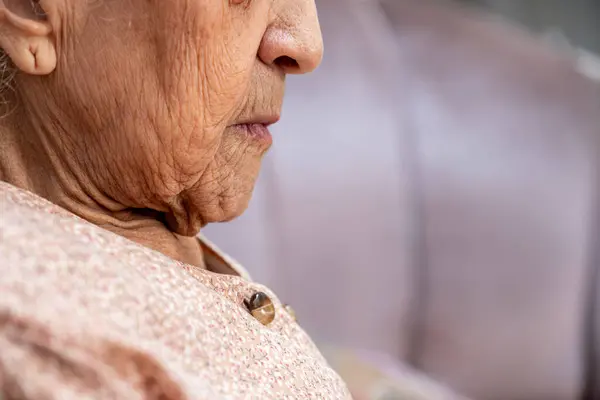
53,262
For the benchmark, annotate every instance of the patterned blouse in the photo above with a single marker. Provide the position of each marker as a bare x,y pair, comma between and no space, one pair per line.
87,314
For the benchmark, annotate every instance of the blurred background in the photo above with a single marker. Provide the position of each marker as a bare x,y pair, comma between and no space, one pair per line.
430,205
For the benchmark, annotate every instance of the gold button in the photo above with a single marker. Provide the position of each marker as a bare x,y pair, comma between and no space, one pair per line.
261,307
291,311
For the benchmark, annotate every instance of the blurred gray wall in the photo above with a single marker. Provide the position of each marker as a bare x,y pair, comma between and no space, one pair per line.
578,20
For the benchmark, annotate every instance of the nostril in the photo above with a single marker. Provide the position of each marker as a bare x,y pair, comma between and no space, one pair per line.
287,63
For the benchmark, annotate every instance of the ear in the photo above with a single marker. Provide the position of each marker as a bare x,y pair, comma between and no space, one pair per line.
27,41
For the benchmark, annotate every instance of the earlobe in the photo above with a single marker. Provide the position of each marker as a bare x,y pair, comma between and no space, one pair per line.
28,42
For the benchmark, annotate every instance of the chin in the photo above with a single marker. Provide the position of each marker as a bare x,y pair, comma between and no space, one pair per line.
236,209
213,201
225,209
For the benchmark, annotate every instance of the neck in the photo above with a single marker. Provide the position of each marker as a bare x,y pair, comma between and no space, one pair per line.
34,159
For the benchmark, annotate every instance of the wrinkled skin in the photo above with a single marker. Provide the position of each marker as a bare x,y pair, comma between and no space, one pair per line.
134,120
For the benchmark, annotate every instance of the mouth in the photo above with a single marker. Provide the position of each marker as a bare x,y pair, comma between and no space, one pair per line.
257,128
258,132
265,120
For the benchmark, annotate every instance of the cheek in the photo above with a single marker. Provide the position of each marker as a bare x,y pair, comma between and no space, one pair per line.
209,65
207,77
157,104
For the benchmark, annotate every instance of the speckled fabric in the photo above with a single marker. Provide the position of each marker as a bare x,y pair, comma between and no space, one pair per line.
86,314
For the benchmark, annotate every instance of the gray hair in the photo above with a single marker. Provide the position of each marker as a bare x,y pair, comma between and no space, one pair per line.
7,76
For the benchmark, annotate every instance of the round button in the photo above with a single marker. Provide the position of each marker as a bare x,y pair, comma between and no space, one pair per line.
261,307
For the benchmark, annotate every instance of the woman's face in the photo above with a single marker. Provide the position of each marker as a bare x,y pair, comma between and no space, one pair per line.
154,99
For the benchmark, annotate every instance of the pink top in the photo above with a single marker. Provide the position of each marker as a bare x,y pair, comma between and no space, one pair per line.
85,313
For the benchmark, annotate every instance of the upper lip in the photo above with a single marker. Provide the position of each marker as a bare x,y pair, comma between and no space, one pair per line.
265,120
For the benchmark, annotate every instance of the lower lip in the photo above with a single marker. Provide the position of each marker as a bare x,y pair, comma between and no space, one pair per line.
257,131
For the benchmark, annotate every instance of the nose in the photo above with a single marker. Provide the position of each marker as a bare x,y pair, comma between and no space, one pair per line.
293,41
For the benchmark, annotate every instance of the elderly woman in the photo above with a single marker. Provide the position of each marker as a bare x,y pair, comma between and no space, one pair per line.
130,125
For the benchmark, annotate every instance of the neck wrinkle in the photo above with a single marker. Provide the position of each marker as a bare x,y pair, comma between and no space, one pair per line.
34,159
